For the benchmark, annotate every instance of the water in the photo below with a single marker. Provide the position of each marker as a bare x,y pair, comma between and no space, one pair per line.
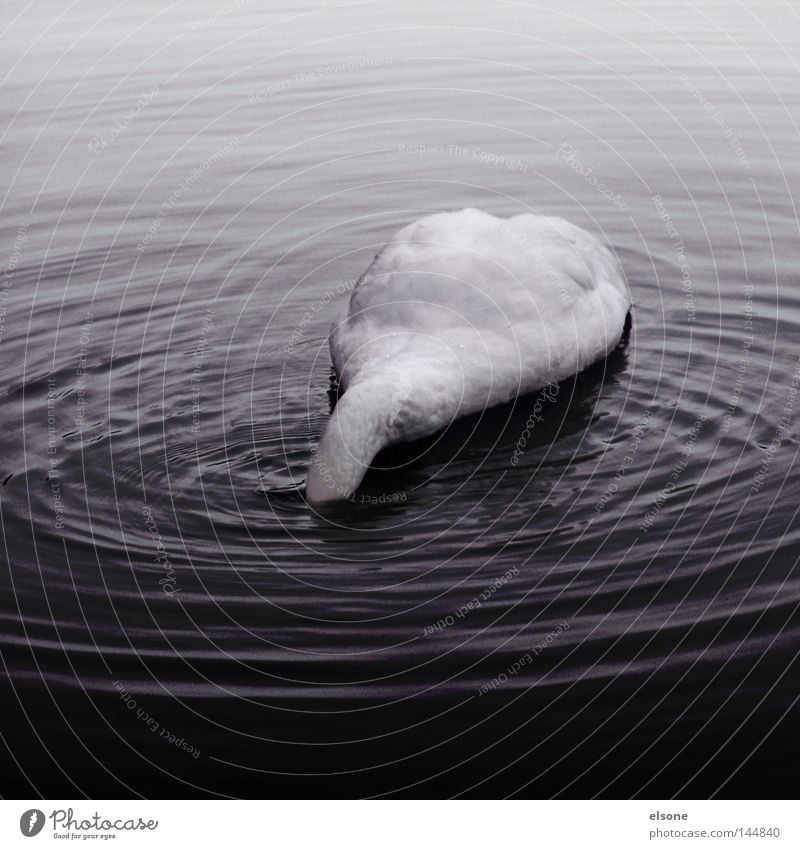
602,605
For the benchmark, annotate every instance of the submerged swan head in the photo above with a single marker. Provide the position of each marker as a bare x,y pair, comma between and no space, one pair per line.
460,312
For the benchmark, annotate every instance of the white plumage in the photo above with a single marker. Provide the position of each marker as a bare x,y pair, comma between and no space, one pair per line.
459,312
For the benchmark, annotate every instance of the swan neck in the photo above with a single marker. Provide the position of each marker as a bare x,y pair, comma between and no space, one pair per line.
356,431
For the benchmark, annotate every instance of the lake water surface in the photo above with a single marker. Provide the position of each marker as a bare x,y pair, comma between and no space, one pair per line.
603,603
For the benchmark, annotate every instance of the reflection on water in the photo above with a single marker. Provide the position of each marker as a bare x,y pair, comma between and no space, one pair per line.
191,194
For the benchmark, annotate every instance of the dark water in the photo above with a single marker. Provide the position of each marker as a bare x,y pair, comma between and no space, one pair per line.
603,604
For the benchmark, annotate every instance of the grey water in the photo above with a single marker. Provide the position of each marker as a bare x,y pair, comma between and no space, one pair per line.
597,600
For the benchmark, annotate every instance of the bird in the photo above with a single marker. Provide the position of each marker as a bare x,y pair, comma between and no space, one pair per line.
459,312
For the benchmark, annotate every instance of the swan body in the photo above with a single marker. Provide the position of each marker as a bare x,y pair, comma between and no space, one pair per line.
459,312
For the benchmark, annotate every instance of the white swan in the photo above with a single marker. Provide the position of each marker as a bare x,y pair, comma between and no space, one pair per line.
459,312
